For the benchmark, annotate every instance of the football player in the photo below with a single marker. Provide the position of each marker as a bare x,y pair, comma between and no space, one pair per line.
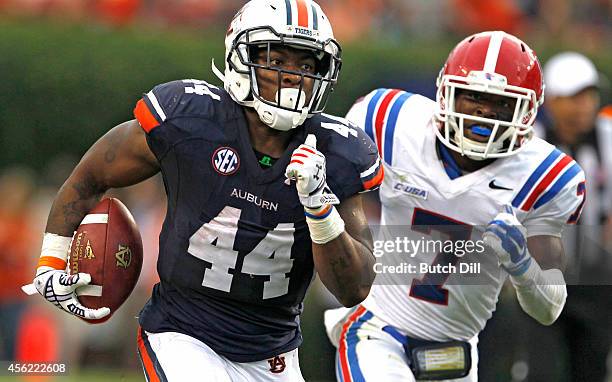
465,168
263,189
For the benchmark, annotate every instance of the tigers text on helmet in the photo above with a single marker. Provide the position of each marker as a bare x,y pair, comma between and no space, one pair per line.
495,63
265,24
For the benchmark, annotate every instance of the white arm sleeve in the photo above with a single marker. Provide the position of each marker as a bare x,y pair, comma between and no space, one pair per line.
541,294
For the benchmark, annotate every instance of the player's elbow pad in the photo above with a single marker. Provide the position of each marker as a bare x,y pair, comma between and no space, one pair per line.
541,294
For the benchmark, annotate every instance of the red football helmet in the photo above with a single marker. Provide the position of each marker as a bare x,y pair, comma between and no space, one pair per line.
496,63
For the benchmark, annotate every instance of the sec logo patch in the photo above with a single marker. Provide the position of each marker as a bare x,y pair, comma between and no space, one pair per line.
225,160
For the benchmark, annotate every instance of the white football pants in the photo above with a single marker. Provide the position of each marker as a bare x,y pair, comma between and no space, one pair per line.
367,353
177,357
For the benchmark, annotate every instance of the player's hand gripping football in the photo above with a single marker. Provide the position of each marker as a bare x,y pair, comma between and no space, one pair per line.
59,288
307,168
508,239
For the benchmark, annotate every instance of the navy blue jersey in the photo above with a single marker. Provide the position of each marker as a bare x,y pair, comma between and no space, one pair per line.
235,256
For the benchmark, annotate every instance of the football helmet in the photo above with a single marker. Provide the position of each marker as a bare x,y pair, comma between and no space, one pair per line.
264,24
495,63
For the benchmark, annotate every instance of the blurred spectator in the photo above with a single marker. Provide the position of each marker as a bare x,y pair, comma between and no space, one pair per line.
353,19
117,12
425,19
577,23
17,241
581,23
581,336
472,16
203,14
66,9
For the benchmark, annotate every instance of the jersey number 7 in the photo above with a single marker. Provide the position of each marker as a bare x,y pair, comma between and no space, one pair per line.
429,287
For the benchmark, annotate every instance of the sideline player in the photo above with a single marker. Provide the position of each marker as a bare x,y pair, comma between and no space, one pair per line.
456,168
262,189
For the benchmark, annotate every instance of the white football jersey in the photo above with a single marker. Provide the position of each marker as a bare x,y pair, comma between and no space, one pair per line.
420,203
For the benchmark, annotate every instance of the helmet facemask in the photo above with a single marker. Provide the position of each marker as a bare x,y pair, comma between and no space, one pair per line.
516,131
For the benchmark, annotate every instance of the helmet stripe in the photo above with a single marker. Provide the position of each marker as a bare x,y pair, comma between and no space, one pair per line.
315,18
302,13
289,13
493,52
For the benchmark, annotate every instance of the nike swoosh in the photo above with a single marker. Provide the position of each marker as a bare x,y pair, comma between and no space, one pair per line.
496,187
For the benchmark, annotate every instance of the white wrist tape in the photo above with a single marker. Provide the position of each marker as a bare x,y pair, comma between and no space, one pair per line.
324,223
54,252
541,294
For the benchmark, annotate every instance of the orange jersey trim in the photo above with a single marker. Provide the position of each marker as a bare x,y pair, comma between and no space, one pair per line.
377,180
145,117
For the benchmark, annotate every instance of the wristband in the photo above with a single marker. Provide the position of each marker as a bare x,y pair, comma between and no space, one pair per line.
54,252
324,223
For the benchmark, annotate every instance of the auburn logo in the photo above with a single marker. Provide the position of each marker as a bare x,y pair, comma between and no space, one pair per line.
123,256
277,364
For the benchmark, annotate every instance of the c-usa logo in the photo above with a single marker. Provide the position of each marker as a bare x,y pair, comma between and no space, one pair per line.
225,160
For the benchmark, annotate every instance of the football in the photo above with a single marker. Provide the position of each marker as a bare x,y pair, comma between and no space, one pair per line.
108,246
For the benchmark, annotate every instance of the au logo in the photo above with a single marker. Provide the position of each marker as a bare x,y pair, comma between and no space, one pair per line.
123,256
277,364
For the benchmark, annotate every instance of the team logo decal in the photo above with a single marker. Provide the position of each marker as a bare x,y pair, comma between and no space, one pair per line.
277,364
411,190
225,160
123,256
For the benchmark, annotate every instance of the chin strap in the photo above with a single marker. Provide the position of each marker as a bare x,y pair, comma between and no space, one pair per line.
216,71
279,119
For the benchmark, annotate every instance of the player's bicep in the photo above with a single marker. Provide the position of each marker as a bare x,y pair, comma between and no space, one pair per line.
119,158
355,222
548,251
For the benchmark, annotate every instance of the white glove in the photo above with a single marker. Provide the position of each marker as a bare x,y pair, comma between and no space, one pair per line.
307,168
59,288
508,239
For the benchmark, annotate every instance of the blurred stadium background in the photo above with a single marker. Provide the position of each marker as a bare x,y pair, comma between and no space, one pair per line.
72,69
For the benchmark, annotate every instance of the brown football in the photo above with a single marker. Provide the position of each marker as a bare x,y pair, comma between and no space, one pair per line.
108,246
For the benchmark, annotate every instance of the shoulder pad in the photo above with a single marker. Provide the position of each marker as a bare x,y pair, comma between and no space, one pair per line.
186,98
353,160
555,172
383,112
